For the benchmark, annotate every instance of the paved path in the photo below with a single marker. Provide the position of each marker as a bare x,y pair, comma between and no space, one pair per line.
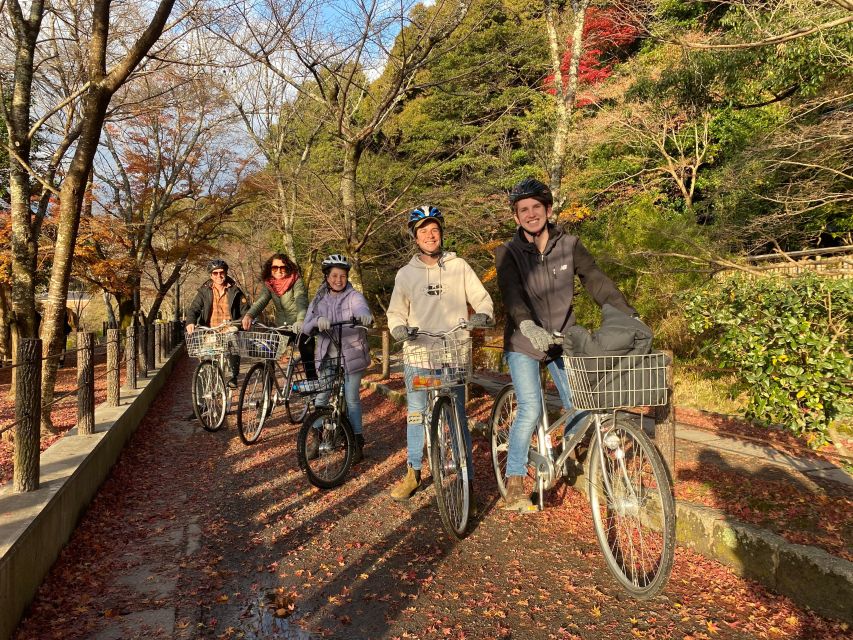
195,535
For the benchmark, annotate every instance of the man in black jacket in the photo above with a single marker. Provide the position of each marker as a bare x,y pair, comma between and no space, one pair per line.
218,300
536,277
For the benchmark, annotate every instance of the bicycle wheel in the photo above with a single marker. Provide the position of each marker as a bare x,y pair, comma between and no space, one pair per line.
633,508
210,399
324,448
449,466
503,414
255,403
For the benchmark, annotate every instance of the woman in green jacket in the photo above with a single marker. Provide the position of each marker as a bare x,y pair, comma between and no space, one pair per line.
284,286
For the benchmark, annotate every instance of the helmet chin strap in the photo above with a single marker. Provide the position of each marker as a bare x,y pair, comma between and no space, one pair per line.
536,234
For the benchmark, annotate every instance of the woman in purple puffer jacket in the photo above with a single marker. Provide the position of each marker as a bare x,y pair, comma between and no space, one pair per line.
338,301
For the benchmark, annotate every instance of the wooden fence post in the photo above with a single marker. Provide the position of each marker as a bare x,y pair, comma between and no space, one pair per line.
142,350
386,354
158,343
665,422
27,416
112,368
149,347
130,357
85,383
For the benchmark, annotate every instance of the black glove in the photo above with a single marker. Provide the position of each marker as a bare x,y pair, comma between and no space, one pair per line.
400,333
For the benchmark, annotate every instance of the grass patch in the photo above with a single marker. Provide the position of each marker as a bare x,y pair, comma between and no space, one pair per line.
717,393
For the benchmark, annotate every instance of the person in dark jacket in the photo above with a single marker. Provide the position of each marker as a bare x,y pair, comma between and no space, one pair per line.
217,301
536,274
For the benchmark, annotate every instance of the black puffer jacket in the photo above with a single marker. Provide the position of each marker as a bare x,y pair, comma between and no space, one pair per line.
540,286
202,305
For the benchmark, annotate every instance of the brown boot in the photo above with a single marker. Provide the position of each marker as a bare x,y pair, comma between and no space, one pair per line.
516,498
406,488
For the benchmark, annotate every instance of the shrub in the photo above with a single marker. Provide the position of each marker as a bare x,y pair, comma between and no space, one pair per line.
790,342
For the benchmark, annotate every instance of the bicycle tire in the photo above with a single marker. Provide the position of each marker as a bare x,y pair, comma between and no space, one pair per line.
503,413
209,396
635,520
255,404
335,442
449,467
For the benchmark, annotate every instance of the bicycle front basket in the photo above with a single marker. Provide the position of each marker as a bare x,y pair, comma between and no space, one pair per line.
207,343
615,382
264,345
315,376
438,365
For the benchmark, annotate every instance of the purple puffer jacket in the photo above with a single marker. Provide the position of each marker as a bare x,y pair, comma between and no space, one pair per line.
339,307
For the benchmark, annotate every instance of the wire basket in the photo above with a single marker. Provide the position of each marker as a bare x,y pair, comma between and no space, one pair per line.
445,363
209,343
615,382
264,345
314,376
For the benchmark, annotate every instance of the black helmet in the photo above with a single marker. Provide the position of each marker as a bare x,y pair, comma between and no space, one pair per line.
215,264
531,188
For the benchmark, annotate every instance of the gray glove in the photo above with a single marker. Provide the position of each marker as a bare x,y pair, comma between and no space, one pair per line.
364,320
400,333
323,323
540,338
480,320
297,326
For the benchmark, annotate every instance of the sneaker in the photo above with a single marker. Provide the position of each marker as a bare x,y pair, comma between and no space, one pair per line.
516,499
407,487
232,382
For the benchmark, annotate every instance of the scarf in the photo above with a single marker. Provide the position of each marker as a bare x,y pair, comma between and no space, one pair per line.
282,285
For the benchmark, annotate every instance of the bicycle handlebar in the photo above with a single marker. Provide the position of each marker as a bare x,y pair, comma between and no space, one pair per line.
462,324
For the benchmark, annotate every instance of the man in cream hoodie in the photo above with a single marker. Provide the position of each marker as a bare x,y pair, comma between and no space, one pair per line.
432,292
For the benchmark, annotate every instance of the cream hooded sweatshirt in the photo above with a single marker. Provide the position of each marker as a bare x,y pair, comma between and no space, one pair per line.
436,297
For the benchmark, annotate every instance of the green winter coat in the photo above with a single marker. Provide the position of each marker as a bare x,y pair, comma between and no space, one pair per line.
290,307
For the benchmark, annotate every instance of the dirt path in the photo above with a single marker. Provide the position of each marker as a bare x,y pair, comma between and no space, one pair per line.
196,535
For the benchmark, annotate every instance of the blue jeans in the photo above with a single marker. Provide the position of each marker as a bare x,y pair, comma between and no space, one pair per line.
416,402
528,396
352,389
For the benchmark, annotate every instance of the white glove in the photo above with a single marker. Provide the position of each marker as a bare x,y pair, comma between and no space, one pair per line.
364,320
323,323
539,337
297,326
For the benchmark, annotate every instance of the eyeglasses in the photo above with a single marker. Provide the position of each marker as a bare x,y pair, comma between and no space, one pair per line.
278,267
218,274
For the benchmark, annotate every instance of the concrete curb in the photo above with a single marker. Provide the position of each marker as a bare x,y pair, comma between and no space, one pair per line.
808,575
35,526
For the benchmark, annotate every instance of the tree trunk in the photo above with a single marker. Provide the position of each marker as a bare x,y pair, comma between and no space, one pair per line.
5,324
70,204
349,177
286,217
566,94
111,316
27,410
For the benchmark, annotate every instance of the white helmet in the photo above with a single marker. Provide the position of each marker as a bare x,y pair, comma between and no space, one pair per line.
335,260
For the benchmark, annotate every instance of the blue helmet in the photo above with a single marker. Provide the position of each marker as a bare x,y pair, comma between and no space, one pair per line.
419,216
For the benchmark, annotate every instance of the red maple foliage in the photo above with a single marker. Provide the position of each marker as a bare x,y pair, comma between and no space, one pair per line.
606,36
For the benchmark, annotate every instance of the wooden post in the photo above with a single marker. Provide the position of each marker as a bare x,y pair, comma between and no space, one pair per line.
104,329
27,416
386,354
85,383
665,422
112,368
149,347
158,343
142,350
130,357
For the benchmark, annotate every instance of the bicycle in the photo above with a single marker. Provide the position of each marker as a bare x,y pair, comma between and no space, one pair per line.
210,397
438,368
261,390
326,430
630,493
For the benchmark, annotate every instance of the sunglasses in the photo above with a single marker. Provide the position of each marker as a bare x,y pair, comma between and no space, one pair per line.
278,267
217,273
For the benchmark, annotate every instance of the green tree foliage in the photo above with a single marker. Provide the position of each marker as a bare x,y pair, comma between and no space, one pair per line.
790,340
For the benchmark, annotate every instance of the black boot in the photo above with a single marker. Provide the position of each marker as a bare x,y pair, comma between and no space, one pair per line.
358,454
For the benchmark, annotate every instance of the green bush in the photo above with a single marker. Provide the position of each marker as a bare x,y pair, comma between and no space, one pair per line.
790,342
